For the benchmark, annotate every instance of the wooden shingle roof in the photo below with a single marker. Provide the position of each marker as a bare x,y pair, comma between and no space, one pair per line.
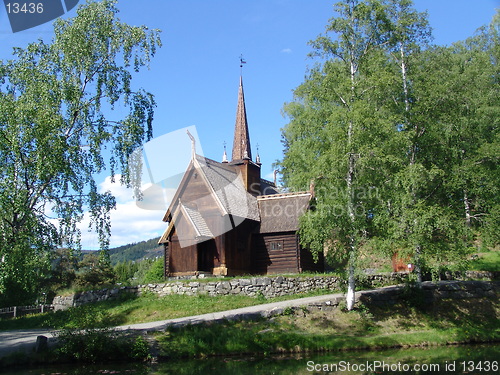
281,212
228,187
241,142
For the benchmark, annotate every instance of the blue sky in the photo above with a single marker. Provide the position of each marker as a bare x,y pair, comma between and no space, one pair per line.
195,75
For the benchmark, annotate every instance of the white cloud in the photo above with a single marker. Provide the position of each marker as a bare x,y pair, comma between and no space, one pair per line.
286,50
119,191
129,222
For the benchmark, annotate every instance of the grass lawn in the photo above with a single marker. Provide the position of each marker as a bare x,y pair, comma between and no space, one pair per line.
296,330
487,261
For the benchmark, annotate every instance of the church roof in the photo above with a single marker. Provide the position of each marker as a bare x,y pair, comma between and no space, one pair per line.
241,142
281,212
228,187
199,224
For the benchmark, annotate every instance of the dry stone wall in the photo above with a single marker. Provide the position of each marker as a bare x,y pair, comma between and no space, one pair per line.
430,292
267,287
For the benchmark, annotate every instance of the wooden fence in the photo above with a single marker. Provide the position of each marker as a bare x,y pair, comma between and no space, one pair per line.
16,311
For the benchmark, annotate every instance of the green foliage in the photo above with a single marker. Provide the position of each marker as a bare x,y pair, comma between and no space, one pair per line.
143,268
398,139
125,272
53,130
134,251
94,272
86,338
414,296
155,273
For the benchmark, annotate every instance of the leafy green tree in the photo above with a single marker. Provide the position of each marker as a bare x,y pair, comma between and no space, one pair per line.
143,268
397,138
125,271
156,272
94,271
448,125
405,211
53,129
63,272
475,177
337,121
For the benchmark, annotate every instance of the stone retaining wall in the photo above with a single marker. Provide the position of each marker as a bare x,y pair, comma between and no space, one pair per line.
431,292
265,286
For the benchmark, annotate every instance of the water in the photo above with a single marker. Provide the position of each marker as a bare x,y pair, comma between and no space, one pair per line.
483,359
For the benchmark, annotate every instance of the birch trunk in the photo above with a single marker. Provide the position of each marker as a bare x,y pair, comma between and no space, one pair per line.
467,209
413,157
351,283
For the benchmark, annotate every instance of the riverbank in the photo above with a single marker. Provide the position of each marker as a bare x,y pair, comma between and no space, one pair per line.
297,328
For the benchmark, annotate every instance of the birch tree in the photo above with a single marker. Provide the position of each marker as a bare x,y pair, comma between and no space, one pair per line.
409,33
56,118
471,68
334,126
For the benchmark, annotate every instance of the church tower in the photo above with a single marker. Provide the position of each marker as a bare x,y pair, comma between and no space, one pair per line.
241,142
242,153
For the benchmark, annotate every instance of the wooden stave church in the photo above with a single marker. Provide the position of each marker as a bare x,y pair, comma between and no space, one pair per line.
225,220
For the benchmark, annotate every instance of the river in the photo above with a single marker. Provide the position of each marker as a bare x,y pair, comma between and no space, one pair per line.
469,359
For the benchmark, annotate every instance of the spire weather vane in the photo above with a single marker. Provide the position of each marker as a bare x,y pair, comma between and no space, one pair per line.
242,61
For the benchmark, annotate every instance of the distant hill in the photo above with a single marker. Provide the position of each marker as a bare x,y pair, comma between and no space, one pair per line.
136,251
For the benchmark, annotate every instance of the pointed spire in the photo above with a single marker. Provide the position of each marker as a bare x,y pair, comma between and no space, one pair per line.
224,156
257,158
241,143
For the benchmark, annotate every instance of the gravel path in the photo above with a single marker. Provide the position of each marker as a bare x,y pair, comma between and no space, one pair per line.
24,340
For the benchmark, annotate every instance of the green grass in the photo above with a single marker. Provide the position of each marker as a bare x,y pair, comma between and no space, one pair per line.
147,308
487,261
398,326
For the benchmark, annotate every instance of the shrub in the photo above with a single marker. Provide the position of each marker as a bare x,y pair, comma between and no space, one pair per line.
85,338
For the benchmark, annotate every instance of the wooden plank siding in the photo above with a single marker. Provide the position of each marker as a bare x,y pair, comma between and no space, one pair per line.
182,259
197,195
271,260
237,245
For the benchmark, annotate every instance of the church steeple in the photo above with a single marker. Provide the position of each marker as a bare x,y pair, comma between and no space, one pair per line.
241,143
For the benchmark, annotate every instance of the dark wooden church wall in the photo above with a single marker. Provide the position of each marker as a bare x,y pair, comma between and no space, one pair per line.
239,258
276,253
182,259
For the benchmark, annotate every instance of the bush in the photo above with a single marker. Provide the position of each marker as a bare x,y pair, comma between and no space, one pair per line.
155,273
85,339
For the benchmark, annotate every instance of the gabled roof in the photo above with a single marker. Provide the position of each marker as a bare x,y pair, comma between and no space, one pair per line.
224,184
199,224
268,188
227,185
196,221
281,212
